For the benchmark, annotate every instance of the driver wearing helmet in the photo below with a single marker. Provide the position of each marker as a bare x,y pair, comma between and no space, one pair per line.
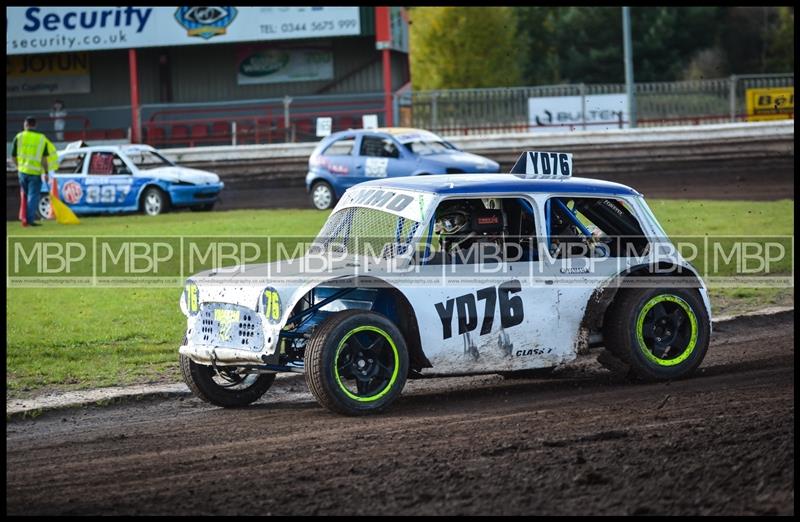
466,226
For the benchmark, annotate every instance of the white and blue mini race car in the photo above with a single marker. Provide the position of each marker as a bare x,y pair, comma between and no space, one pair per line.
111,179
452,275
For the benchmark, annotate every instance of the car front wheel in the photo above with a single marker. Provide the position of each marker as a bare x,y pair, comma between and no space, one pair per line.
224,386
322,195
356,363
154,201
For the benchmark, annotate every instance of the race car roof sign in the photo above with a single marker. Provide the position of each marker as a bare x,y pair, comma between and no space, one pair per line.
408,204
543,165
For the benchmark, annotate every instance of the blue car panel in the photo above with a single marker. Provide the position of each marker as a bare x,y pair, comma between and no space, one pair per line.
387,153
98,186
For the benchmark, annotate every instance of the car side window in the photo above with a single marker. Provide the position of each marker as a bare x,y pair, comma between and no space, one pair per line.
481,231
594,227
70,164
376,147
120,167
107,163
342,147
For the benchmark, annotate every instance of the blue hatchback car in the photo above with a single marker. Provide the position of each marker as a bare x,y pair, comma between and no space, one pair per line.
346,158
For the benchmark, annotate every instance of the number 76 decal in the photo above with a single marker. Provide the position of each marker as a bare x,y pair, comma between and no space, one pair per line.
466,308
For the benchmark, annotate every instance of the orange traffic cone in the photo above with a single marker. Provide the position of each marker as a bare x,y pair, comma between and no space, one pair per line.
23,210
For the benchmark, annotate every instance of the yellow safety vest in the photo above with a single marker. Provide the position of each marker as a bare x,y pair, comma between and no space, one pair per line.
30,147
52,156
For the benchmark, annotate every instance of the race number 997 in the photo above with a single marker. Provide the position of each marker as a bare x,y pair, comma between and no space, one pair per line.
106,193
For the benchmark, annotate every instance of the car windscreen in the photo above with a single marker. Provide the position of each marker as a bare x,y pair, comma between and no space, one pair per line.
362,231
423,148
146,159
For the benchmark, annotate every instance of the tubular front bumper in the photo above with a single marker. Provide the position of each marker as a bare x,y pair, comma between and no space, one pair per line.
222,356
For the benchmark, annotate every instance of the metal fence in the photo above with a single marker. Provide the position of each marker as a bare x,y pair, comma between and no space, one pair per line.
448,112
270,120
482,111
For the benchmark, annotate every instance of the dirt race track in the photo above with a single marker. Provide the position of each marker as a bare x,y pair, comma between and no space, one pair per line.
765,180
580,442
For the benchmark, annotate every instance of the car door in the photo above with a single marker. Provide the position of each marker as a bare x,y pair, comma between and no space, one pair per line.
379,157
340,162
70,178
495,316
109,183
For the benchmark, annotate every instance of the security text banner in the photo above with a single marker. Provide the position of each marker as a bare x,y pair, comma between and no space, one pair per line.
32,30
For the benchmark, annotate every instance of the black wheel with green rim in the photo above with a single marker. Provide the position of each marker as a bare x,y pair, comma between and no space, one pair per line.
224,386
659,333
356,362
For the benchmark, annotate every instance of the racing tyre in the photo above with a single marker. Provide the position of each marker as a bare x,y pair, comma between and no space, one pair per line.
226,388
659,334
356,363
44,210
154,201
322,195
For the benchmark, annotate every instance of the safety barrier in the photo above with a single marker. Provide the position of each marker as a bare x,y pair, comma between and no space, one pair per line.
595,151
628,145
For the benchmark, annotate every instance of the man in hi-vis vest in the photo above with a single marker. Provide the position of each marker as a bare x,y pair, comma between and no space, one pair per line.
30,150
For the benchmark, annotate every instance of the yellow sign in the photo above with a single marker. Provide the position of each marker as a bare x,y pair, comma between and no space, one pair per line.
226,319
47,74
775,103
61,64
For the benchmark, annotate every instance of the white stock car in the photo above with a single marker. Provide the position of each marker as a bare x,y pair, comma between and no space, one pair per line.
452,274
111,179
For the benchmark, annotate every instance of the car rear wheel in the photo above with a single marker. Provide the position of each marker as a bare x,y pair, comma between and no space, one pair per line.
224,386
659,334
154,201
322,195
356,363
45,210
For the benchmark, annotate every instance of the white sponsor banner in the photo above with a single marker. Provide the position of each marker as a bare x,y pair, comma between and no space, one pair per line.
369,121
564,113
324,127
409,204
283,65
31,30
